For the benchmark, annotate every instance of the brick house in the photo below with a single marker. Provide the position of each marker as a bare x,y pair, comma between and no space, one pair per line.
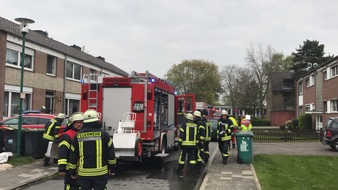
52,71
317,93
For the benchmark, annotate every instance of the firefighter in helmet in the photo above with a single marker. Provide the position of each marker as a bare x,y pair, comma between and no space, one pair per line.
52,133
75,123
201,138
92,156
225,128
187,143
208,128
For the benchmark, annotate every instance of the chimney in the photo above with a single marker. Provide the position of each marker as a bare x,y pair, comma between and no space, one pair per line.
102,58
44,33
76,47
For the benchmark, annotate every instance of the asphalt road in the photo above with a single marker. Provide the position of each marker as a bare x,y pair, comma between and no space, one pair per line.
146,175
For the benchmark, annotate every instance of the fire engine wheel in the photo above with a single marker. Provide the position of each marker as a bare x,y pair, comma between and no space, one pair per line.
138,148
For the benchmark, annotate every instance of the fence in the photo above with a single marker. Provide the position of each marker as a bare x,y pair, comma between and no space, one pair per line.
277,135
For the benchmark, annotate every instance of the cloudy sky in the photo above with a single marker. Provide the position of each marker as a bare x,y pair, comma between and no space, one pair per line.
153,35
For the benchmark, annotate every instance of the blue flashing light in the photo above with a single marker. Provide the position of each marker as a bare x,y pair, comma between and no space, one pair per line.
152,80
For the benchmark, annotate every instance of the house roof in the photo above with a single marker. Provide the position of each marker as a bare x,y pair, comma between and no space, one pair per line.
43,40
277,79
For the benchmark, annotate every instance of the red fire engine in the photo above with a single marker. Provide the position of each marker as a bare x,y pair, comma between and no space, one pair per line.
139,111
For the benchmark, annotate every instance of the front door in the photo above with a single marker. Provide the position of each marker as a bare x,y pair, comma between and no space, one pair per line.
319,122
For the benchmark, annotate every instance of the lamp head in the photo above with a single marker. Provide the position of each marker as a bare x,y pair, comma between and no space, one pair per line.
24,23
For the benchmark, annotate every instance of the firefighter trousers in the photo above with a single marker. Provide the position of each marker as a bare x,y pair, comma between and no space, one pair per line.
70,183
224,147
96,183
206,151
191,151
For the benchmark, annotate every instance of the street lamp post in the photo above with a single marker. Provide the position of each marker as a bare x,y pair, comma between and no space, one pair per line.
24,30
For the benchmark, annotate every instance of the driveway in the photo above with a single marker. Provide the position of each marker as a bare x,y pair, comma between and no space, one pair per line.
294,148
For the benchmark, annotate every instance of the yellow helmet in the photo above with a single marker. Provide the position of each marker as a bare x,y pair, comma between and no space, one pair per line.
90,116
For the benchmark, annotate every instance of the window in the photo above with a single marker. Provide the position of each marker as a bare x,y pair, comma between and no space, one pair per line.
286,84
51,65
300,88
11,103
334,105
72,106
12,57
73,70
307,108
309,81
325,106
49,102
324,75
334,71
93,75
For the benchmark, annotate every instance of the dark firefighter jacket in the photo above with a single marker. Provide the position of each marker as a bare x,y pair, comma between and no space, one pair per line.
64,149
92,152
52,129
201,129
207,130
188,134
225,128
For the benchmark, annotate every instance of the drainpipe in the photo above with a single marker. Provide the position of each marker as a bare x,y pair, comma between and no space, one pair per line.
64,86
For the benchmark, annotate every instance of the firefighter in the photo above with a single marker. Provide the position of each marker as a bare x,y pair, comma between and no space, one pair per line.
207,138
187,143
52,133
234,122
92,156
225,128
73,126
201,139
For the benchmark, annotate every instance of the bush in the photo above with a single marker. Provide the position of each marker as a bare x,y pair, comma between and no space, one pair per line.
260,122
305,122
282,127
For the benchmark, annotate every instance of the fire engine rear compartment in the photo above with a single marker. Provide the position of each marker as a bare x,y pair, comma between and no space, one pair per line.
156,129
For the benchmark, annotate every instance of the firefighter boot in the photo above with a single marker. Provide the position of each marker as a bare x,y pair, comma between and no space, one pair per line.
180,170
206,158
193,169
198,167
225,160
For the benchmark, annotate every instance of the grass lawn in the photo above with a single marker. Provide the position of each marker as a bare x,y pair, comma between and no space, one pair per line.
279,172
18,161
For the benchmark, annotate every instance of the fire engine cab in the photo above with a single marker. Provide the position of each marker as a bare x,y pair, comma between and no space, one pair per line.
138,111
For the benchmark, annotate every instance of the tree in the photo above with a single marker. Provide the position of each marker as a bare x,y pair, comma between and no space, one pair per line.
263,63
198,77
308,56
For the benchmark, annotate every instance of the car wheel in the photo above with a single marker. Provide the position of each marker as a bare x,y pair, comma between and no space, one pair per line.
335,145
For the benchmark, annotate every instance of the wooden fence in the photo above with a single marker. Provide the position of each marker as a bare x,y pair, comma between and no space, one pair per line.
285,136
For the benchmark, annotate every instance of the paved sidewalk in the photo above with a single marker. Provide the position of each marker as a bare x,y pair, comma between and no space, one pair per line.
231,176
20,176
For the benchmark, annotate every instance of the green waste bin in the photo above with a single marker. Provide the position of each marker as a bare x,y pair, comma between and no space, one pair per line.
33,143
244,147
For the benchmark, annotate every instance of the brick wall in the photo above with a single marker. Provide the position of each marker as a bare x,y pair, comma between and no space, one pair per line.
3,40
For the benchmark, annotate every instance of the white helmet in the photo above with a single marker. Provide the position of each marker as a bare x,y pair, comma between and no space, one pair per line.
90,116
78,116
197,113
224,112
189,116
61,116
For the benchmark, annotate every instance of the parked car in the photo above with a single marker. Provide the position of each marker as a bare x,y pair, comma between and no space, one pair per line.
29,121
329,133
